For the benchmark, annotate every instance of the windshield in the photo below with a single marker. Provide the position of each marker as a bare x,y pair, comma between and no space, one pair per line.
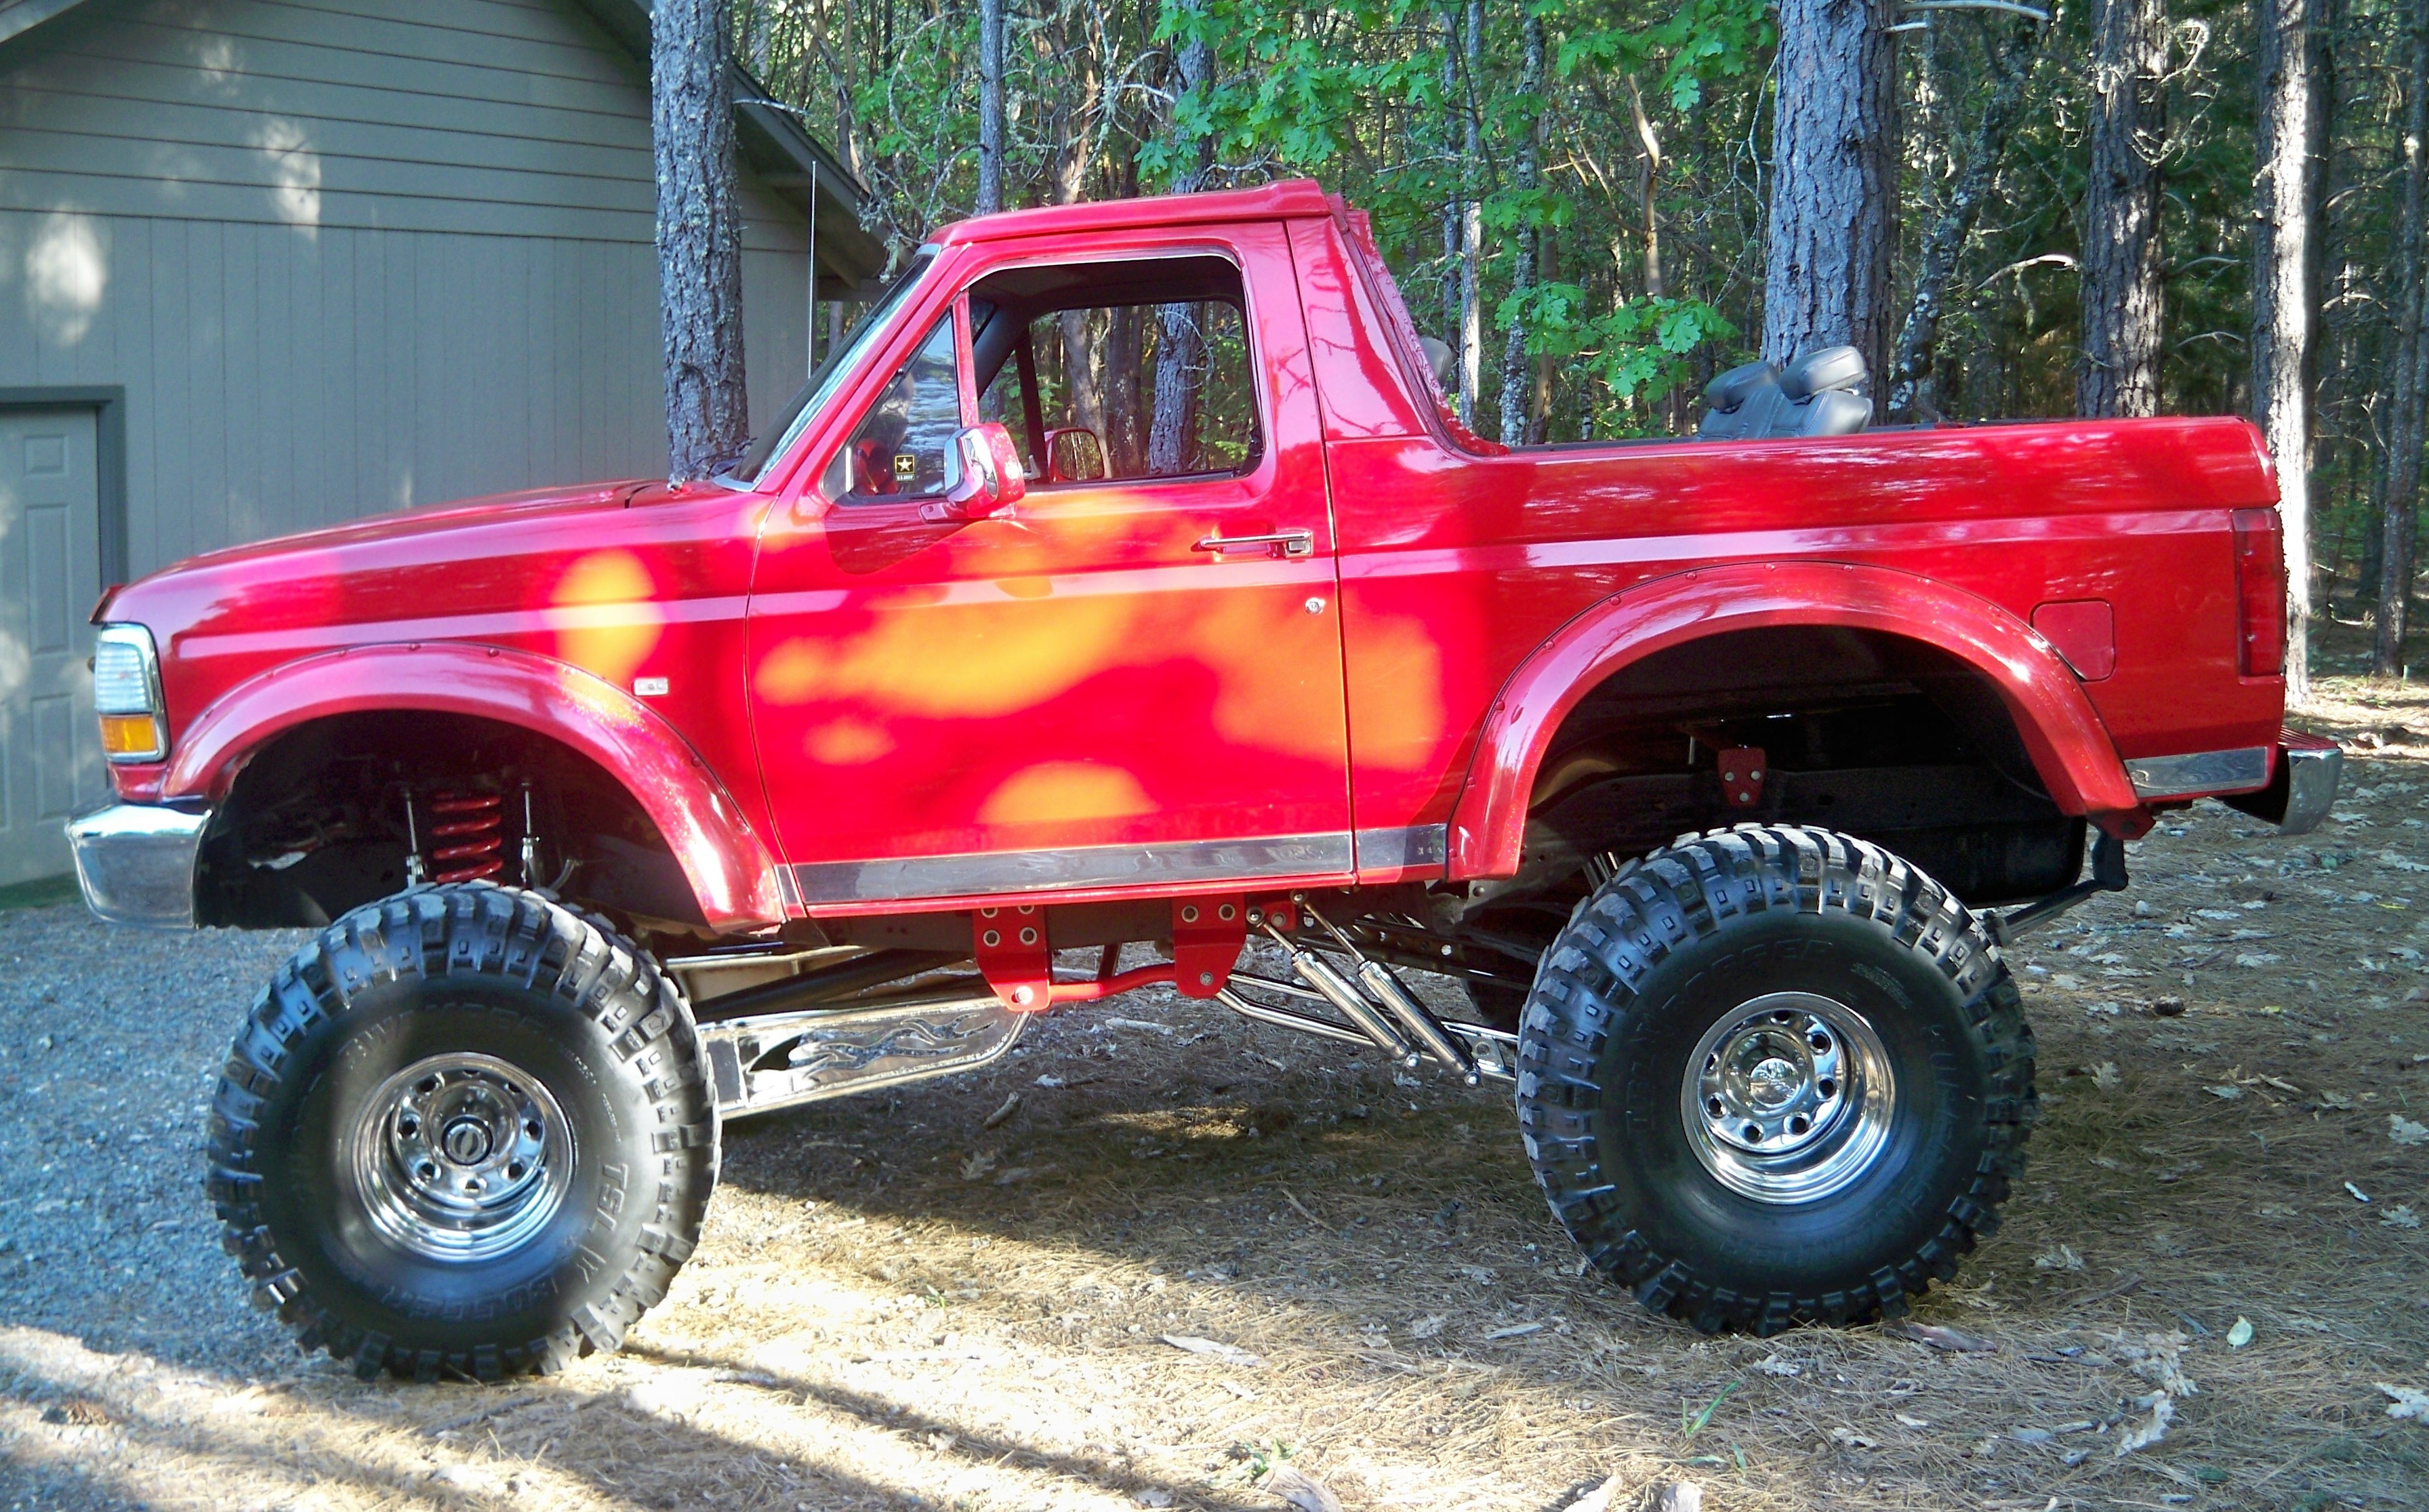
841,359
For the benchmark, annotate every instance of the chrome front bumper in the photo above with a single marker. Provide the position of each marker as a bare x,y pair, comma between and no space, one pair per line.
135,863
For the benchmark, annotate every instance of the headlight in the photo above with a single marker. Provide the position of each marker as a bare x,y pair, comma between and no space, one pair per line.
126,694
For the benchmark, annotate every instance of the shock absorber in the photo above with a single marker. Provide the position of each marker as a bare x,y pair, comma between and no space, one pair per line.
467,835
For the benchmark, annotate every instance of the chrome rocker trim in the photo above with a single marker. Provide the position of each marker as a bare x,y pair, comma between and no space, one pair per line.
135,862
989,873
1424,847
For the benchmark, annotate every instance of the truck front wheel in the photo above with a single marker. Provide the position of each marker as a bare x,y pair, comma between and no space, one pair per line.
1771,1075
463,1133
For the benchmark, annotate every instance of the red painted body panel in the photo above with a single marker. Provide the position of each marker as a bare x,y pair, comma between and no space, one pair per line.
2063,734
1070,672
732,873
860,685
1457,568
616,582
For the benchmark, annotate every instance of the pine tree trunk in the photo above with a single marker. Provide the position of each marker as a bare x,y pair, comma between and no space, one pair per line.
1918,338
1074,123
1647,174
2119,374
2407,384
1454,208
990,107
2281,302
1471,222
1172,435
1834,181
699,235
1514,343
1125,433
1547,270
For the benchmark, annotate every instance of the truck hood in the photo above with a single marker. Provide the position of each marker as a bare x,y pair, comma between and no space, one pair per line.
502,570
403,526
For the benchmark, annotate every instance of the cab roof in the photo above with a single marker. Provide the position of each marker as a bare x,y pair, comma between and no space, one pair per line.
1290,198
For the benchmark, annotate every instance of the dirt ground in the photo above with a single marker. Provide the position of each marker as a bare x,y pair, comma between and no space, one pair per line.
946,1298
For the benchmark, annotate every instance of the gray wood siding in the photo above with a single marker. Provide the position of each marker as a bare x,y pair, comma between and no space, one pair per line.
348,257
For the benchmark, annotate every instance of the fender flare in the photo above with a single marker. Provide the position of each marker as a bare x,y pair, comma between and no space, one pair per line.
2070,746
731,872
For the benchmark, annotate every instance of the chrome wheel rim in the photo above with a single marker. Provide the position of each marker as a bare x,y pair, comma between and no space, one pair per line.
1788,1097
461,1158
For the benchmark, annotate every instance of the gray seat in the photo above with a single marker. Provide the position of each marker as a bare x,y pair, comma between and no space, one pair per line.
1822,393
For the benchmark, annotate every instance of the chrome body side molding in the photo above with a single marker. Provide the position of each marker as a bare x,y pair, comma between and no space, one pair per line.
2200,772
1422,847
134,863
996,872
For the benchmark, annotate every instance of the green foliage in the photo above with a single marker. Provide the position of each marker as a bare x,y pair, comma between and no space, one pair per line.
1701,45
1652,223
1638,351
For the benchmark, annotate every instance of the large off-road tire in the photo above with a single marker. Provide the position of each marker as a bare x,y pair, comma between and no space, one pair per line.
463,1133
1771,1075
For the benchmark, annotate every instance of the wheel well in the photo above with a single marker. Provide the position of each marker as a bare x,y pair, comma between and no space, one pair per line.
1878,735
325,816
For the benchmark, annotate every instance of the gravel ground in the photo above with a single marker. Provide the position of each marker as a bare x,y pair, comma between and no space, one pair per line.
931,1299
110,1042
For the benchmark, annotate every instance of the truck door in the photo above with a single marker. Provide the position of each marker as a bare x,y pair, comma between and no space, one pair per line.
1129,678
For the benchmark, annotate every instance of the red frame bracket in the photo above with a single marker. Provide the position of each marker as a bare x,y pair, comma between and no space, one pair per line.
1207,937
1208,933
1012,954
1742,769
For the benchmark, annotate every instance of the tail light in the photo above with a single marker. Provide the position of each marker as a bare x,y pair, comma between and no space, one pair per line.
2260,592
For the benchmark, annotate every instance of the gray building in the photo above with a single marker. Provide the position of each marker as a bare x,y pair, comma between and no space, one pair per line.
272,264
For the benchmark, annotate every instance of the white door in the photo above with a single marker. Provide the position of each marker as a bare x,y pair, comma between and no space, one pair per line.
50,575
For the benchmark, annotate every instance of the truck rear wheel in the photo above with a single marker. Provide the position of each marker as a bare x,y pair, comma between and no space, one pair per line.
1773,1076
463,1133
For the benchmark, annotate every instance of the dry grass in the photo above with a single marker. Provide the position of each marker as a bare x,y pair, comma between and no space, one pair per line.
898,1305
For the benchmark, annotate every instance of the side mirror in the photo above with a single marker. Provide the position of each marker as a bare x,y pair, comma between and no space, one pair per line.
991,479
1073,455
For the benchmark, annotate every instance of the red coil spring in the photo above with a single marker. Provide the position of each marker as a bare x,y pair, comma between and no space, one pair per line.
470,835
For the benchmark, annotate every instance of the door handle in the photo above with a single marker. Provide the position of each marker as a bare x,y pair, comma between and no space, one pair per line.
1276,543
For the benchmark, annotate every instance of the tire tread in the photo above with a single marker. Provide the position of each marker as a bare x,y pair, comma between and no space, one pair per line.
476,929
1684,893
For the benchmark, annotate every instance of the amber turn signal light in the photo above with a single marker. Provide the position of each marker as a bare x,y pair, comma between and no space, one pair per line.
131,736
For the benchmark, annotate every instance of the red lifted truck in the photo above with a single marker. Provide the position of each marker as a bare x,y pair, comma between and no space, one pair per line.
627,809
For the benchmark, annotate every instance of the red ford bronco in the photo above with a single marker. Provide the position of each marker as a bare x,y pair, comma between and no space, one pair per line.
1718,770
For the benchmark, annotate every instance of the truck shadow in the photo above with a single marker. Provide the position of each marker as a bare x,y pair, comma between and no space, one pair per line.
131,1433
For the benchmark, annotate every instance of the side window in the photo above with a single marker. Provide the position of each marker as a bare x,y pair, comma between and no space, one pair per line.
901,446
1120,370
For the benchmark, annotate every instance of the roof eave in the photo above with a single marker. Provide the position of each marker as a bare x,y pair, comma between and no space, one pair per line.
24,15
